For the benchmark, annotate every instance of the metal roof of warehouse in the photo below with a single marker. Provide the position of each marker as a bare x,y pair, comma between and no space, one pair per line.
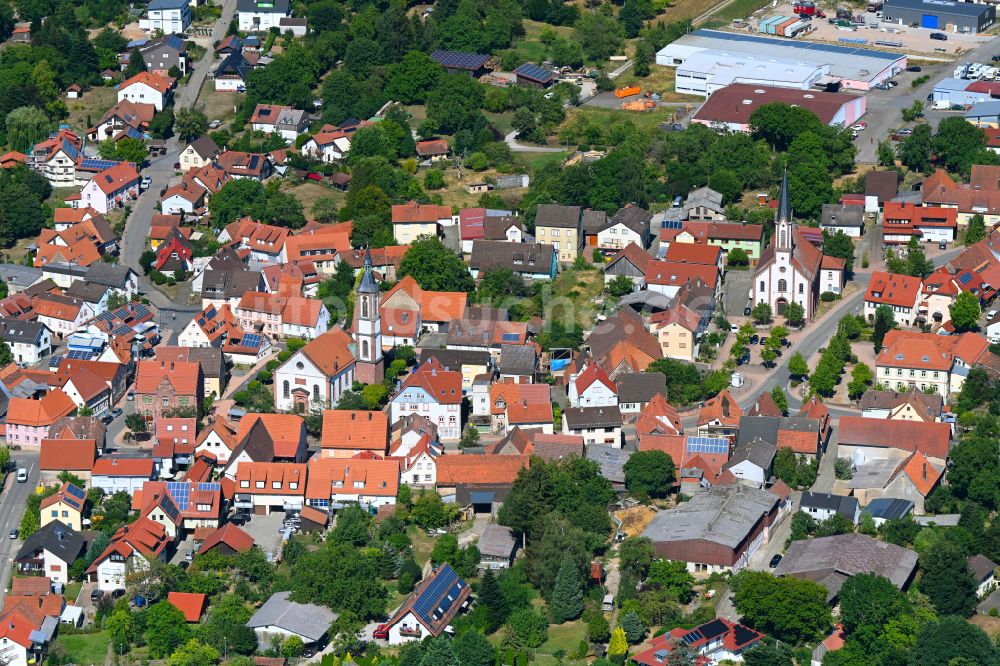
940,6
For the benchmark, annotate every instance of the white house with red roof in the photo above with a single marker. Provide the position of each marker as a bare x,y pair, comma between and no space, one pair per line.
317,374
110,189
132,548
328,146
114,474
592,388
435,393
901,293
146,88
710,643
913,360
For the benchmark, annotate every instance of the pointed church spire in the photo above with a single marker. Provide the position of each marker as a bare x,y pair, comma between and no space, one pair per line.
784,205
368,284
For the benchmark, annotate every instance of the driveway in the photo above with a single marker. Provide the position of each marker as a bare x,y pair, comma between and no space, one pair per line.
264,530
736,293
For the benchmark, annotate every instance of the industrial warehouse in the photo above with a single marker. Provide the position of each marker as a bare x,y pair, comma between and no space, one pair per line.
730,108
707,60
940,14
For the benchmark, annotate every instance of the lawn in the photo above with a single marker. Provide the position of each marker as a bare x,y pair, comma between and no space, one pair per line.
217,105
645,121
660,80
500,121
92,104
576,291
680,10
739,9
564,639
530,47
84,649
536,161
309,191
72,591
421,544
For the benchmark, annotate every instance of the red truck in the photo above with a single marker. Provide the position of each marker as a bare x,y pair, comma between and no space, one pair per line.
807,8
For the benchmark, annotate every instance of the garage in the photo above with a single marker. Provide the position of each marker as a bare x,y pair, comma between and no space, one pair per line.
947,15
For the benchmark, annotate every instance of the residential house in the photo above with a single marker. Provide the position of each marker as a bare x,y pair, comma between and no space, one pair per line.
348,432
717,530
417,460
116,474
932,224
269,438
328,146
162,54
800,434
209,328
65,506
434,392
832,274
912,479
51,551
283,316
179,506
597,425
671,277
752,461
121,280
912,405
280,618
830,561
911,359
89,391
231,74
261,15
29,341
123,119
198,153
29,420
562,228
638,389
518,363
63,315
57,158
412,220
19,277
284,121
520,405
430,608
471,364
713,642
316,374
162,387
430,310
218,440
132,548
264,487
705,204
984,571
531,261
68,455
184,198
323,246
726,235
720,416
190,604
481,482
497,547
821,506
629,225
237,164
621,344
112,188
147,88
338,482
677,329
592,388
888,508
880,187
434,150
847,219
166,16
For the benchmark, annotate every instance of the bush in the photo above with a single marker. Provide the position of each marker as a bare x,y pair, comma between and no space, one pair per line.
828,297
844,468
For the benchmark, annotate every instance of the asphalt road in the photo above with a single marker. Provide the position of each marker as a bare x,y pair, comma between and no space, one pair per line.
12,501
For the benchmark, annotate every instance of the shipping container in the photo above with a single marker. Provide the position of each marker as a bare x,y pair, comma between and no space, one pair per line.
627,91
780,28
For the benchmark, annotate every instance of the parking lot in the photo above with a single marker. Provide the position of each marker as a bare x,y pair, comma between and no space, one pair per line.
265,532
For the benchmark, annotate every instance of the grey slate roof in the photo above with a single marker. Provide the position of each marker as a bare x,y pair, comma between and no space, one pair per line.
722,514
111,275
63,542
892,399
874,473
757,451
454,359
307,620
531,258
830,561
592,417
497,541
91,292
20,276
593,221
205,147
635,218
518,360
705,197
767,427
19,331
839,215
842,504
641,386
566,217
981,567
611,460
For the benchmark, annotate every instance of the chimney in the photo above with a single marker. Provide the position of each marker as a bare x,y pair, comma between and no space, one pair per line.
924,471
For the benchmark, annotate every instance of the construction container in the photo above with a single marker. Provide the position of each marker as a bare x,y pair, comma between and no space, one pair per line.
627,91
795,28
784,25
641,105
764,26
772,26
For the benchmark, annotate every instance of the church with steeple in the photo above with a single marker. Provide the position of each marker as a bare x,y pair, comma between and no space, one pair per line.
789,269
369,368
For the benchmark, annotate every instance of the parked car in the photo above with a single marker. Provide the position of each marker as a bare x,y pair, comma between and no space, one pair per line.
131,396
22,475
95,595
859,127
943,245
13,534
990,315
115,413
177,166
906,131
733,328
914,68
939,36
747,310
671,127
763,340
215,124
996,58
775,560
145,183
754,338
381,632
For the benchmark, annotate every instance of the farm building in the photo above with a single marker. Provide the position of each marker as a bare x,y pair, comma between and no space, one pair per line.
707,60
940,14
461,62
731,107
530,74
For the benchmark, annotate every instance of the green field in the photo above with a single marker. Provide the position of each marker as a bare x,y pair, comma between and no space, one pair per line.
739,9
83,649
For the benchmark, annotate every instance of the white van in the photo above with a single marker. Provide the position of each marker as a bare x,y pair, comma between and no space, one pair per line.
990,315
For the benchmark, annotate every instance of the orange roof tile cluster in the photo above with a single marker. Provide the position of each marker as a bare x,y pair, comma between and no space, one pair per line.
633,254
659,417
158,83
281,427
921,472
290,478
523,404
191,604
217,322
322,244
330,352
72,455
929,351
931,439
679,314
114,179
722,408
981,195
694,253
144,536
352,476
230,535
115,466
444,386
413,212
57,306
673,273
350,429
594,374
433,305
183,376
42,412
294,310
460,469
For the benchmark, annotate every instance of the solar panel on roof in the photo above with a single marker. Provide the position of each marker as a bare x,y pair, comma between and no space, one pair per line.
75,492
510,337
707,445
743,635
251,340
170,508
460,59
965,278
79,355
672,224
532,71
209,486
100,165
712,629
692,636
427,604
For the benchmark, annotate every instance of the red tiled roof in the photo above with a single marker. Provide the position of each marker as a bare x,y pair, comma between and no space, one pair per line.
192,604
42,412
74,455
444,386
154,81
350,476
722,408
921,472
415,212
113,466
932,439
893,289
460,469
354,429
230,535
693,253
